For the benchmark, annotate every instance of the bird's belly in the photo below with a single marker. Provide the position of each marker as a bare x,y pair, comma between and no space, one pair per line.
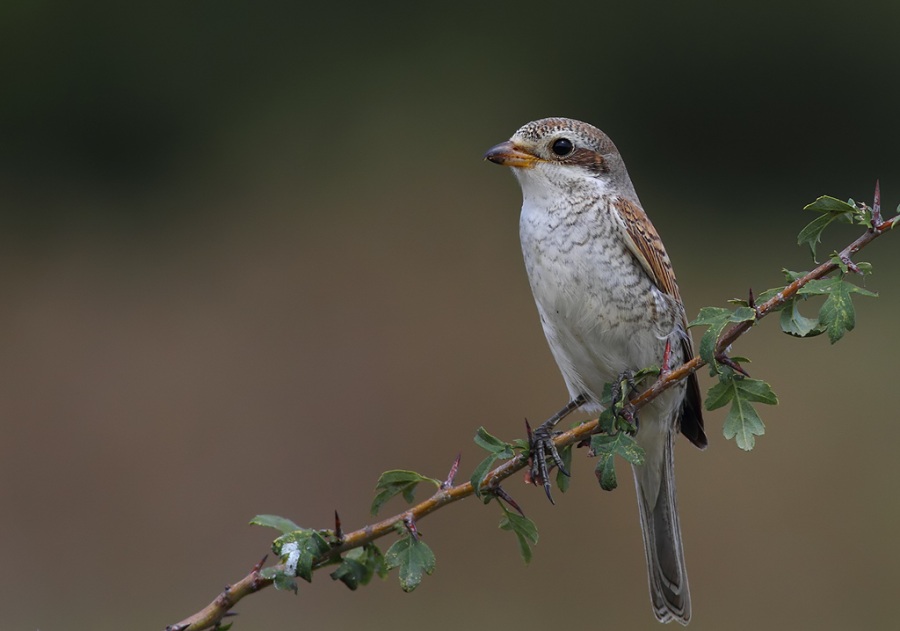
600,312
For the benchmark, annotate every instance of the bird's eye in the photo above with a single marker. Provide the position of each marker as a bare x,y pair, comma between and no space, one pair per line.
562,147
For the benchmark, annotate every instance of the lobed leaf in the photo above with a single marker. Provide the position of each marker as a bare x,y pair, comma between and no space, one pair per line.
606,448
811,235
832,208
837,315
413,557
795,323
717,318
742,422
398,482
524,529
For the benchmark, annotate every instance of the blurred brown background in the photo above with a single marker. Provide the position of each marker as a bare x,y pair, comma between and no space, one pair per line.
250,258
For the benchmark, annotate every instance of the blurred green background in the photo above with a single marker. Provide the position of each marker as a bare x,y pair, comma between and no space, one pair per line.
250,258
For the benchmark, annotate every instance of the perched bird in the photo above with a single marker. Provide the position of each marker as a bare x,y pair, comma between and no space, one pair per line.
609,304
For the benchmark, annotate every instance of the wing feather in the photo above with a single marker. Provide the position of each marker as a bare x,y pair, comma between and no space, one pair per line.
644,243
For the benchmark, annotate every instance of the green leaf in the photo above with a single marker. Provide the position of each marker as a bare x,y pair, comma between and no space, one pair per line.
717,318
742,424
832,208
274,521
397,482
563,480
491,443
606,448
755,390
413,557
606,471
837,315
795,323
832,205
310,546
284,582
524,529
279,579
811,235
497,449
481,472
719,395
820,286
268,573
643,373
299,550
352,573
359,565
520,444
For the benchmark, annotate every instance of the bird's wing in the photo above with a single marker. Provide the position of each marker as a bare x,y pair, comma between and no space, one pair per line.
644,243
646,246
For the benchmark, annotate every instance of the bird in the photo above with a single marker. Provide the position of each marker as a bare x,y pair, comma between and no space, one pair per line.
609,305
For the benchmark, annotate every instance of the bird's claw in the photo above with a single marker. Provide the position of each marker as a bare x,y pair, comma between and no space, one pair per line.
542,446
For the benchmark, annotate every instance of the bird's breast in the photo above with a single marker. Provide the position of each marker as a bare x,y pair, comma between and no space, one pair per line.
599,309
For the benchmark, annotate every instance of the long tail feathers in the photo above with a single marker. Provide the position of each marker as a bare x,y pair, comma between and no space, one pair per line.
669,591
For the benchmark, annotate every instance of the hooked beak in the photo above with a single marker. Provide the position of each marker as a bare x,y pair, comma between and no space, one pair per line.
509,155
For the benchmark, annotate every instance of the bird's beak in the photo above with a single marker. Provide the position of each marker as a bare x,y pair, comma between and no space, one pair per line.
510,155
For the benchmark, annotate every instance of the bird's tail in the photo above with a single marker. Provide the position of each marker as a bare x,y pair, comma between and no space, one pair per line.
655,482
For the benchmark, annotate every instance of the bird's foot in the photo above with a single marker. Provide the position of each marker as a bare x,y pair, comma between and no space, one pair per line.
542,446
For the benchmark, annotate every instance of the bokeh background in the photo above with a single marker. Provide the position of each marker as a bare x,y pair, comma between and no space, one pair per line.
250,258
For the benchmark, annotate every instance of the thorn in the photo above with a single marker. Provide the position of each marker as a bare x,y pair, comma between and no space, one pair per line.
751,302
229,614
877,221
262,561
503,495
446,484
722,358
410,524
665,360
338,532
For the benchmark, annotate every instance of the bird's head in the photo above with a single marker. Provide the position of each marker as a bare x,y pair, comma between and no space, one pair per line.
561,154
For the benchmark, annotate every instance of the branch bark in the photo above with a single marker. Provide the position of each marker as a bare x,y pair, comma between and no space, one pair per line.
212,615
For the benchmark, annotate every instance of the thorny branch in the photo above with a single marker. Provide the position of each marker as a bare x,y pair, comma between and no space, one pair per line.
211,616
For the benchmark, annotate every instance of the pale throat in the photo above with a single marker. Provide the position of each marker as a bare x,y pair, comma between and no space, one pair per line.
555,191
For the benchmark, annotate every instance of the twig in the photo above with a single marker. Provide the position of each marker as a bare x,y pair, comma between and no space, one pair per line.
213,613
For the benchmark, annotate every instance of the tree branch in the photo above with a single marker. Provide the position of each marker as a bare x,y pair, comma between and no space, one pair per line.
211,616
